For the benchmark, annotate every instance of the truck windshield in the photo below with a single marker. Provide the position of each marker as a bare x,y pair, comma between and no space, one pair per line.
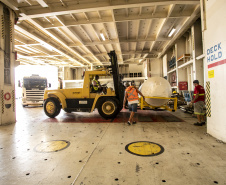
30,84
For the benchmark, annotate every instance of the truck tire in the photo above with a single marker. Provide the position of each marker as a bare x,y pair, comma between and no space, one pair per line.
52,107
108,107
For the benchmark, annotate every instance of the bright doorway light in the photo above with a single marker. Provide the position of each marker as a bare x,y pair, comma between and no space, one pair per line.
50,72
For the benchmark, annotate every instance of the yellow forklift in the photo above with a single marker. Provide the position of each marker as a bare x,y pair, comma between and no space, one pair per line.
109,104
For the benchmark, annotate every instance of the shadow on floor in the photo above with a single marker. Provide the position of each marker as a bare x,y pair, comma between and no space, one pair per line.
140,116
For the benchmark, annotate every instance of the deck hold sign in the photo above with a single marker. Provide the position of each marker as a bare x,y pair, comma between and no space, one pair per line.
214,53
215,57
144,148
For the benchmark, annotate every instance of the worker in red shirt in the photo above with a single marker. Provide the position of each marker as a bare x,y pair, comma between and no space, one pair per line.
199,103
131,95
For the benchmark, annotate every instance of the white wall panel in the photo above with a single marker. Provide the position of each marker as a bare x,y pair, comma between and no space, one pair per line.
215,62
155,67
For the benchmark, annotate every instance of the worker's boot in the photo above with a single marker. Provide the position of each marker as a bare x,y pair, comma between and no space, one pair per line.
198,124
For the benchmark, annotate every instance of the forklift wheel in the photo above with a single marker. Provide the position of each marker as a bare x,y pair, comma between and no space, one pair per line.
52,107
108,108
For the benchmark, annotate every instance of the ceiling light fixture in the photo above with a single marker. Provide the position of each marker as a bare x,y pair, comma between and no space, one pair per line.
172,32
102,35
145,55
47,46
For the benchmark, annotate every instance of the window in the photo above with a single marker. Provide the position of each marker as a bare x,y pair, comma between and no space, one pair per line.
7,72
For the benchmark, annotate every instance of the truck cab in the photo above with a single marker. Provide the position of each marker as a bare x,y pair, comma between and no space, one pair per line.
33,88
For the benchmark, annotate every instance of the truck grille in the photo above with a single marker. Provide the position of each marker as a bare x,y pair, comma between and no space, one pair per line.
35,95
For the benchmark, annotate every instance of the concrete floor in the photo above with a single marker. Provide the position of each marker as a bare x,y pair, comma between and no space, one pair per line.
97,154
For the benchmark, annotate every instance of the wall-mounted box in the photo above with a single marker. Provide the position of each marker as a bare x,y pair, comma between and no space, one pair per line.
183,86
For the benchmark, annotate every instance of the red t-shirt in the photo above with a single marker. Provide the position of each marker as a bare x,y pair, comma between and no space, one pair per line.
199,89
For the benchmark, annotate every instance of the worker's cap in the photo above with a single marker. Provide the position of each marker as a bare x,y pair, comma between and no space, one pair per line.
132,83
195,82
127,84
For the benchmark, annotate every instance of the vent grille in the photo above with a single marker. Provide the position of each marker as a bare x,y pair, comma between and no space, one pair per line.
35,95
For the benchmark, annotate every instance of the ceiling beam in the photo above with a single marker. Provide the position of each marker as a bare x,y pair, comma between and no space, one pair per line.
29,2
39,26
122,40
155,7
116,41
95,31
171,8
86,33
78,22
41,56
96,43
71,37
63,3
11,3
183,27
147,16
116,31
44,50
42,3
124,53
118,18
22,41
75,35
43,41
74,7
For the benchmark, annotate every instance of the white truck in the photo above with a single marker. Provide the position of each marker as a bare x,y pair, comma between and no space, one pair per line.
33,88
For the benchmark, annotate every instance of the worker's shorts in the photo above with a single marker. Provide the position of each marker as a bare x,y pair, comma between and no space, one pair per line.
199,108
133,107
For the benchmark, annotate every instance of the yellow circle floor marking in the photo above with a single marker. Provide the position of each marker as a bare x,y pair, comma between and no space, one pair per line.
52,146
144,148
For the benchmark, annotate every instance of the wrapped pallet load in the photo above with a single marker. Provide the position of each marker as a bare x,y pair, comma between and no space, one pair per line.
156,87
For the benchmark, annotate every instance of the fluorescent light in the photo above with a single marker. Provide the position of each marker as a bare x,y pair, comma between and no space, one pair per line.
102,36
145,55
171,32
47,46
64,62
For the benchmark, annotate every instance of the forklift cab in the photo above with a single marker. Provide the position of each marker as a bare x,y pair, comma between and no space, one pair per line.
92,90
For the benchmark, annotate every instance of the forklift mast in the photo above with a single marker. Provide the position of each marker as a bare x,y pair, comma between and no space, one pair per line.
119,87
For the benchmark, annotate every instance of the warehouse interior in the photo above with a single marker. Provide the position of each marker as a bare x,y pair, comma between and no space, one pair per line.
64,44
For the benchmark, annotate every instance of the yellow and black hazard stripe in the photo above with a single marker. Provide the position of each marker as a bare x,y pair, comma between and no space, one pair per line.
208,99
3,30
3,102
13,100
11,31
